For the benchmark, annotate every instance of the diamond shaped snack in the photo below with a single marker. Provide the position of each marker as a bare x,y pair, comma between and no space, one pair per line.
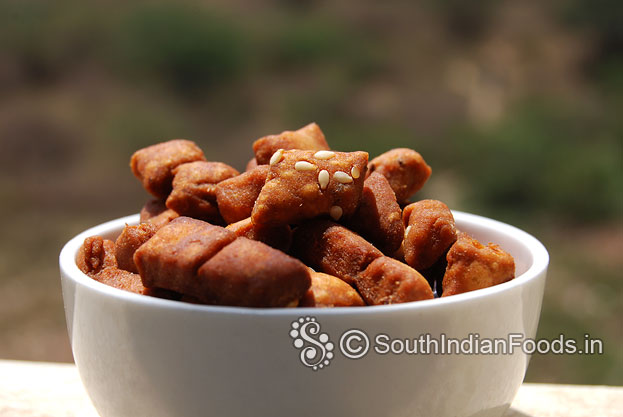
194,189
379,217
252,274
171,258
472,266
305,184
405,169
389,281
154,165
333,249
308,137
430,232
236,196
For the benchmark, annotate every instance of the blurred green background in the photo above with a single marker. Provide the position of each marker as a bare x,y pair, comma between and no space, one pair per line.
517,106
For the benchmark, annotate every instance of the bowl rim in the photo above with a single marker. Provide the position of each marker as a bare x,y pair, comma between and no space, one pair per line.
540,260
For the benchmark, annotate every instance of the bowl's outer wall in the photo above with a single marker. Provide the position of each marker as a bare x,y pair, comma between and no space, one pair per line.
142,357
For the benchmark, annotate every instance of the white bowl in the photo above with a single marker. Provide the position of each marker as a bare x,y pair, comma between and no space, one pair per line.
144,356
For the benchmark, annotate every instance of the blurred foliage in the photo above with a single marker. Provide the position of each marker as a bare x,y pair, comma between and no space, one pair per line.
516,106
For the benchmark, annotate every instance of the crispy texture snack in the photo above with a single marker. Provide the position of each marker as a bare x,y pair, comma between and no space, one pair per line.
154,165
278,237
236,196
251,164
430,232
194,189
329,291
472,266
171,258
251,274
122,279
308,137
388,281
130,239
333,249
96,254
306,184
405,169
379,217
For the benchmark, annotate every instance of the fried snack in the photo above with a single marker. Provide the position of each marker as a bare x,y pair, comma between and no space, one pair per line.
278,237
329,291
333,249
388,281
122,279
379,217
305,184
430,232
251,274
128,281
472,266
308,137
171,258
154,165
405,169
130,239
236,196
194,189
95,254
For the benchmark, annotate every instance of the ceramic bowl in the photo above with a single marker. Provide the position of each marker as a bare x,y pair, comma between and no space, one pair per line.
144,356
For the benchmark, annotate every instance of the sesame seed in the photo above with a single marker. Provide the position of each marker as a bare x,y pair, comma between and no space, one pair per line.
323,179
407,230
336,212
304,166
277,157
324,155
342,177
354,171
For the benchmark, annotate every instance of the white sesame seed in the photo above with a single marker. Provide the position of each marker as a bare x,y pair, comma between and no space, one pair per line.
342,177
304,166
336,212
324,155
323,179
354,171
277,157
407,230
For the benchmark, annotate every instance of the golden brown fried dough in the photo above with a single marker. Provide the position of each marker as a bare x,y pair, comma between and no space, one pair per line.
333,249
309,137
130,239
121,279
236,196
154,165
430,232
405,169
95,254
251,274
194,189
472,266
278,237
388,281
379,217
171,258
329,291
305,184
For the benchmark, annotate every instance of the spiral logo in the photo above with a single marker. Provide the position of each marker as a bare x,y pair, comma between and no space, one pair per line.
354,344
316,349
